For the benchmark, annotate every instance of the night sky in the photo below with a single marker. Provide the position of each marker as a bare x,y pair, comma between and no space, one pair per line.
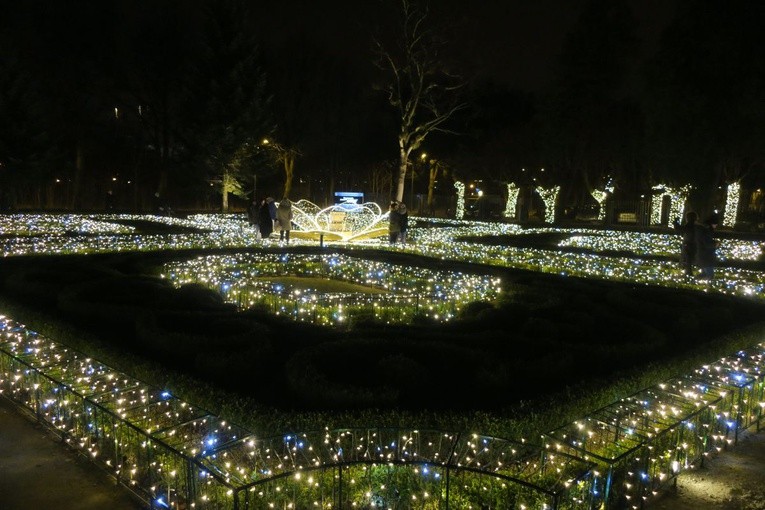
513,42
641,90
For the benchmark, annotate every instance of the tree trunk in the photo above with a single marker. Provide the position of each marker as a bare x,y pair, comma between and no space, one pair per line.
403,163
224,192
164,155
432,185
74,198
289,171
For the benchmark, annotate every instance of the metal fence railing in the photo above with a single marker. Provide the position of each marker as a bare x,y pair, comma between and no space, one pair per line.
174,454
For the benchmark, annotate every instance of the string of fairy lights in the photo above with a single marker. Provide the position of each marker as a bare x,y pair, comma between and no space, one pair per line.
550,198
460,209
512,200
732,201
177,455
677,199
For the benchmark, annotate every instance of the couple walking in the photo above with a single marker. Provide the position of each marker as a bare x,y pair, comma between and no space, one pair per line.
265,215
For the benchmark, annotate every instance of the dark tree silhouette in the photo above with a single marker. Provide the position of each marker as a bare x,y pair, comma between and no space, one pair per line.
228,103
26,146
158,44
592,125
707,97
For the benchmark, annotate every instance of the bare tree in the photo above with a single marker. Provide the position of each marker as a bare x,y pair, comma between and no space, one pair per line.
435,167
380,179
420,87
284,156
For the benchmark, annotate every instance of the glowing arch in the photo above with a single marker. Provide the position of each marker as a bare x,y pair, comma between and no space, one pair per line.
339,222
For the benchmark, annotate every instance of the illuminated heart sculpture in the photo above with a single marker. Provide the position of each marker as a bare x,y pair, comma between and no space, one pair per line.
339,222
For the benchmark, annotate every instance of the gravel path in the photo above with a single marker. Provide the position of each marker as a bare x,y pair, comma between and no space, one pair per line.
732,480
38,472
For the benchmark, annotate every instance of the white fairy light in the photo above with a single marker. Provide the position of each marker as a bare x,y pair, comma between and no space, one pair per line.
644,439
549,197
732,201
341,222
677,200
512,200
600,197
460,213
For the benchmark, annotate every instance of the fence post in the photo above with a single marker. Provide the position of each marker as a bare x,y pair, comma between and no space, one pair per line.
340,486
448,480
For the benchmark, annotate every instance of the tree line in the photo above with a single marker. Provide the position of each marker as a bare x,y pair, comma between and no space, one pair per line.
190,101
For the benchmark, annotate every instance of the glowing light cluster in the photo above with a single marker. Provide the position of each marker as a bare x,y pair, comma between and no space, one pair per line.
38,224
176,454
549,197
512,200
446,241
400,292
600,197
63,234
440,243
653,244
341,222
643,441
677,199
460,212
732,201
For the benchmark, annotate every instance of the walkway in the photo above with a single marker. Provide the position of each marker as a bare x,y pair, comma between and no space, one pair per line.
38,471
732,480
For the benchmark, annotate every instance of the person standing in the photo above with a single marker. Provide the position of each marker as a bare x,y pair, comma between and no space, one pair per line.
284,218
265,222
272,211
403,222
688,246
394,222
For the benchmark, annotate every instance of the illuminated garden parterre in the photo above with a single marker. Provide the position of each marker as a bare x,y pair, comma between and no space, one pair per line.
52,235
405,291
176,454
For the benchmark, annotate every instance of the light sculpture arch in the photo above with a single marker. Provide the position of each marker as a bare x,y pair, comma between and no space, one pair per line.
677,197
339,222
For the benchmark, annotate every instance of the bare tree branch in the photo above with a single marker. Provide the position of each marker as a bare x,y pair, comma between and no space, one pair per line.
421,91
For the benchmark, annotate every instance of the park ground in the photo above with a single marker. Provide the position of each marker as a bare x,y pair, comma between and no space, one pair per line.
37,471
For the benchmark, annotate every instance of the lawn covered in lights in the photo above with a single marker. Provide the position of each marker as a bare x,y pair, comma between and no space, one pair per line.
298,286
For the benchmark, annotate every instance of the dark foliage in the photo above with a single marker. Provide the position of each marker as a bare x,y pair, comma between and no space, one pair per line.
544,334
